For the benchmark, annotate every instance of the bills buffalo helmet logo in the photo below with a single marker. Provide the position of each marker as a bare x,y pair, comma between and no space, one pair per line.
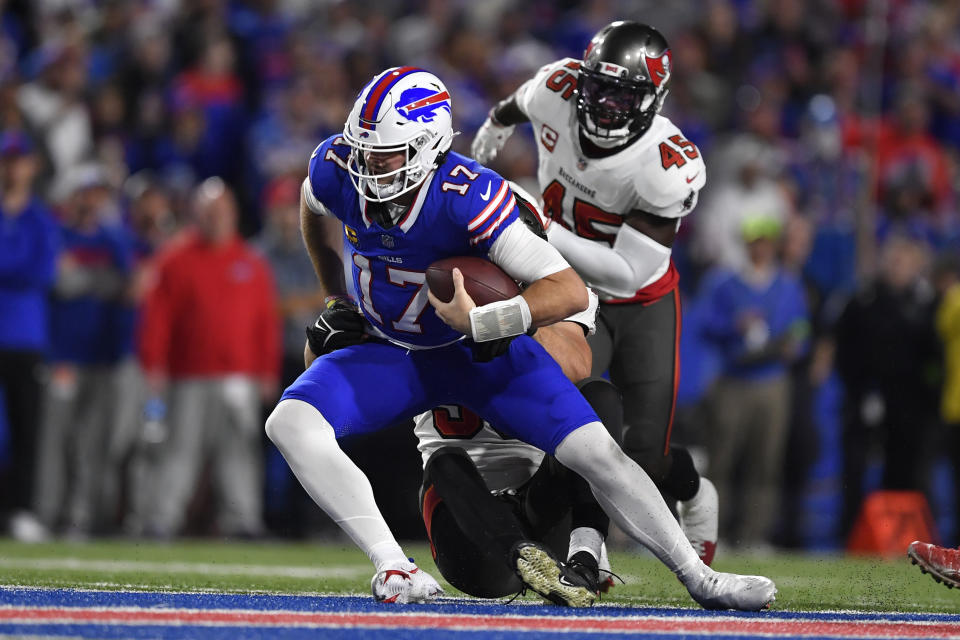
420,105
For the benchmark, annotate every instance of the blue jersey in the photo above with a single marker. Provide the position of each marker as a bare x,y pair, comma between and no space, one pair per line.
459,210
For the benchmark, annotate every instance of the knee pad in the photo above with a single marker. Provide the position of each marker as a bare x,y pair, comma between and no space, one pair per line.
287,418
447,461
452,473
606,400
682,480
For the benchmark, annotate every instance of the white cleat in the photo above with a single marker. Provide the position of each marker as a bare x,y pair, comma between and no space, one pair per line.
404,583
715,590
700,520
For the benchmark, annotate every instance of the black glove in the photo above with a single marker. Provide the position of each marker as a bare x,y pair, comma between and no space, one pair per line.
487,351
490,349
340,325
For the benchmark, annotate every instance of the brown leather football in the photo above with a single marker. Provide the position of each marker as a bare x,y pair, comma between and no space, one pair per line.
483,280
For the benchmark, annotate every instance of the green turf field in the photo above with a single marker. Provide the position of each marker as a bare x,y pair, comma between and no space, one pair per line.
806,582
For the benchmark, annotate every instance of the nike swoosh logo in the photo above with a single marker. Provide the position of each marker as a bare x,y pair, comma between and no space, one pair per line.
486,195
693,177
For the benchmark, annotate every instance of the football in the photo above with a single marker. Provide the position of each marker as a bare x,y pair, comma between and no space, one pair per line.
483,280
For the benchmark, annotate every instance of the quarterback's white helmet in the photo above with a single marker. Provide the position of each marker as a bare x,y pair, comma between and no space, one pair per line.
402,109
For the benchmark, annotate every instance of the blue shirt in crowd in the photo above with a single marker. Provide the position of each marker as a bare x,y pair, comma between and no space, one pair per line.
28,254
729,298
92,326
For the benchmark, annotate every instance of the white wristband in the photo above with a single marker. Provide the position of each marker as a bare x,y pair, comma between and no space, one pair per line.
500,319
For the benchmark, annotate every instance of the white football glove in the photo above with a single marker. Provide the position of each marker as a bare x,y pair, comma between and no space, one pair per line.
489,140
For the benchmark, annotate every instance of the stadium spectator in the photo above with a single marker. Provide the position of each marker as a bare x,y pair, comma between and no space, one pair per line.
299,300
87,342
750,191
210,343
946,279
907,153
28,251
53,106
885,344
211,91
757,317
150,226
285,134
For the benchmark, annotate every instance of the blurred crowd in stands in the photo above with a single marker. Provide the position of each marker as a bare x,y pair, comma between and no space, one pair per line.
154,289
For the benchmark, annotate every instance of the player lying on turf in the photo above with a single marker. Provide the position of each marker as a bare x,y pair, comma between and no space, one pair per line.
617,179
420,202
484,494
940,562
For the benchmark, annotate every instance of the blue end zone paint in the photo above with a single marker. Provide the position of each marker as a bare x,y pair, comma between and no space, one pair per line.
36,597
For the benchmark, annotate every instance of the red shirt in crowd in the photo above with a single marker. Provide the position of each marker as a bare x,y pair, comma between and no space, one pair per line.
212,311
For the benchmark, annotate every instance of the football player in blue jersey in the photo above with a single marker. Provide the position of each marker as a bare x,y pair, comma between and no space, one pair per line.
391,191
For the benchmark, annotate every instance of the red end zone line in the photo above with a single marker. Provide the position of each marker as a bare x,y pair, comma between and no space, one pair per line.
721,626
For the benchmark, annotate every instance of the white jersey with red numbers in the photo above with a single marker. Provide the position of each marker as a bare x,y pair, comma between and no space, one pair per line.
504,463
660,173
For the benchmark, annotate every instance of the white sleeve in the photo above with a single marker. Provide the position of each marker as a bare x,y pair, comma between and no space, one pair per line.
525,256
633,262
312,203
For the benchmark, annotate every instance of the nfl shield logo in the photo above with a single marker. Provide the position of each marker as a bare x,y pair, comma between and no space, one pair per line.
581,163
386,241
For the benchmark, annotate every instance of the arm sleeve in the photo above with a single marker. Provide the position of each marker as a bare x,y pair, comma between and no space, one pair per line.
633,262
508,112
524,256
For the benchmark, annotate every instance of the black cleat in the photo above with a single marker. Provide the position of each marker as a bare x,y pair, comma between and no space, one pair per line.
585,565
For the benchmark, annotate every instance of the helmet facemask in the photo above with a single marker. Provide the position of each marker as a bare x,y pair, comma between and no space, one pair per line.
611,110
420,157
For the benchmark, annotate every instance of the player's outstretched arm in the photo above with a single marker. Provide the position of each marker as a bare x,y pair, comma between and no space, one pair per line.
496,129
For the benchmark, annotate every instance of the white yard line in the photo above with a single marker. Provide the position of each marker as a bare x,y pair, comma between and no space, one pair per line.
133,566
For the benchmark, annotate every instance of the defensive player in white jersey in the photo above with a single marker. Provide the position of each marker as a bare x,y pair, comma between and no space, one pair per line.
391,189
617,178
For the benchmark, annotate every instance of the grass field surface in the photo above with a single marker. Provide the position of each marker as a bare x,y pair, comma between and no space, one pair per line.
805,582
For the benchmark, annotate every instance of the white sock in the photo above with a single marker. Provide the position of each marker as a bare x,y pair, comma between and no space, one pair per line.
585,539
694,501
335,483
629,497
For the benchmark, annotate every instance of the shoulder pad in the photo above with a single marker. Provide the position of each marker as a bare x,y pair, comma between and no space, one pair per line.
327,170
477,198
670,173
554,84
